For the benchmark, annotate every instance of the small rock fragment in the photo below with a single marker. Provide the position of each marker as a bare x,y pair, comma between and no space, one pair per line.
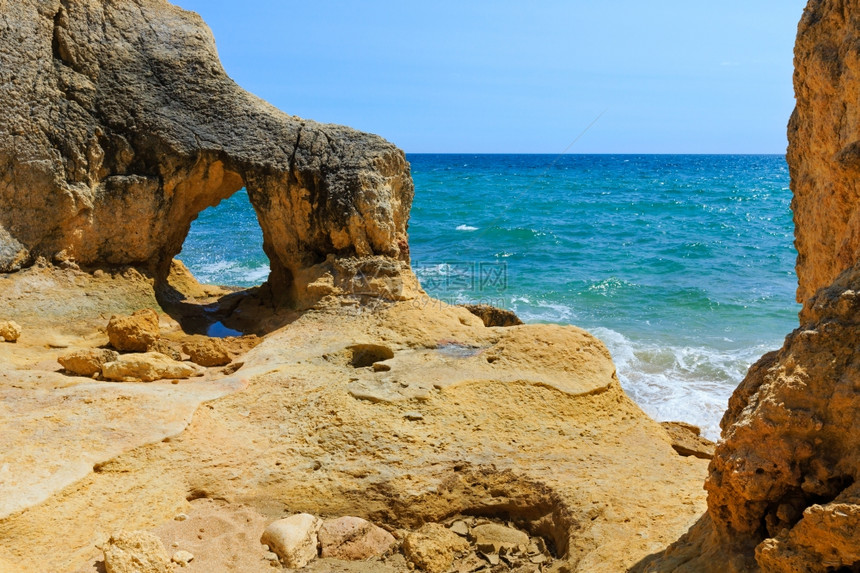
135,552
413,416
492,558
87,362
538,559
146,368
687,441
181,517
353,539
135,333
207,352
10,331
460,528
182,558
432,548
294,539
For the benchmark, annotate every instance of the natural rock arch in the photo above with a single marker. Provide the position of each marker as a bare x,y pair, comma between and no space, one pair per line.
124,126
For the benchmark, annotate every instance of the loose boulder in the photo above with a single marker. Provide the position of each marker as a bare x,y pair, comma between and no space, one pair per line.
433,547
353,539
687,441
207,352
146,368
135,333
87,362
135,552
494,316
293,539
10,331
493,538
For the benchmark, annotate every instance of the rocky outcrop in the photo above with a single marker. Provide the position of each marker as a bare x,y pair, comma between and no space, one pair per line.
791,438
120,126
824,143
493,316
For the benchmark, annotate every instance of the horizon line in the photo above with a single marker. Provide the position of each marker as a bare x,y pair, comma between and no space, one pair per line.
594,153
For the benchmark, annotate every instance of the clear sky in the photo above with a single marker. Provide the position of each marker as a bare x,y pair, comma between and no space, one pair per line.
673,76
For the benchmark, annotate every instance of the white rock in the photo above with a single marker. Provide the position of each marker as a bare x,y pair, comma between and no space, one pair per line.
182,558
293,539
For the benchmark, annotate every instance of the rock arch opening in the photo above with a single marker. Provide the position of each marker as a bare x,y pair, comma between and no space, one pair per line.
224,245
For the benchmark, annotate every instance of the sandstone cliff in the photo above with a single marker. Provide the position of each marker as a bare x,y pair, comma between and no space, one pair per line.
120,126
824,143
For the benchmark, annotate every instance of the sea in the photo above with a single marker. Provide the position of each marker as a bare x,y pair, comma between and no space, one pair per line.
683,265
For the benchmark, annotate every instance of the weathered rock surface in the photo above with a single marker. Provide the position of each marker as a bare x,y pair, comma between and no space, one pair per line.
293,539
120,126
544,437
135,333
10,331
135,552
353,539
433,547
824,143
87,362
147,367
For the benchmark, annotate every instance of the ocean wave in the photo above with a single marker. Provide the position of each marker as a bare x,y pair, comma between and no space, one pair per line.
232,273
466,228
681,383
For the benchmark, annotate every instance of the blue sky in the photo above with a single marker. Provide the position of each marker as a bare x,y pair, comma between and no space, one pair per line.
511,77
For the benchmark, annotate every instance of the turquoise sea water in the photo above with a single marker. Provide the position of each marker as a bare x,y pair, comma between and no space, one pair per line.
683,265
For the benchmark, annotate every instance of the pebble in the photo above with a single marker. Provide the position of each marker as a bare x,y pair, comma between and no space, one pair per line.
460,528
413,416
181,517
182,558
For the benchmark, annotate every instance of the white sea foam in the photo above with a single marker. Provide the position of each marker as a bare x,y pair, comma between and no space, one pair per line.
466,228
683,383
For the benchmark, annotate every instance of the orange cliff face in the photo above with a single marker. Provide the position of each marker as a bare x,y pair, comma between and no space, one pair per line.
824,143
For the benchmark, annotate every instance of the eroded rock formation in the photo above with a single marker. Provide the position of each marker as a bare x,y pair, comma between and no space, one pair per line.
120,126
824,143
790,456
